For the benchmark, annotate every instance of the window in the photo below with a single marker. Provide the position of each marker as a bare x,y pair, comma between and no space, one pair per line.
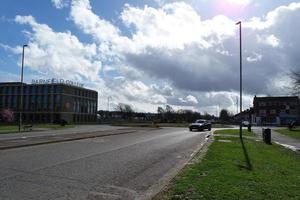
262,112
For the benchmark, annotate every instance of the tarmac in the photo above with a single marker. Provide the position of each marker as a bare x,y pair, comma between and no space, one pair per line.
280,139
23,139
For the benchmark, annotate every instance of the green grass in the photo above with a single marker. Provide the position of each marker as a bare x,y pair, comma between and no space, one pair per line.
149,124
54,126
8,129
295,133
219,175
14,128
234,132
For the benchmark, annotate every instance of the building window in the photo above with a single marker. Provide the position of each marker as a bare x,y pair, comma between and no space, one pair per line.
9,90
261,104
262,112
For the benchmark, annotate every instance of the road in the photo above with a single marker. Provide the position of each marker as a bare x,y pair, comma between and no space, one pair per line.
74,130
128,166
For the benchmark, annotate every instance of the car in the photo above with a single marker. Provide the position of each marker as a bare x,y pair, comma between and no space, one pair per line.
200,125
245,123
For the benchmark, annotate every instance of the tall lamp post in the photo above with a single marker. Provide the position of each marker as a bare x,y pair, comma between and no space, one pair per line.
248,163
241,83
21,90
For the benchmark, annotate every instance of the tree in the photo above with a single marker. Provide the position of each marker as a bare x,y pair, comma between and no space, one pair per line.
160,110
224,115
169,109
296,82
125,109
7,115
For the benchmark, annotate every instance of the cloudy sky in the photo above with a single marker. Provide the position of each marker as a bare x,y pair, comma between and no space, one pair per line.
150,53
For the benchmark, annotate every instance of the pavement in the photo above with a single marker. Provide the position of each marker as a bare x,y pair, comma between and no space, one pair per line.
280,139
134,165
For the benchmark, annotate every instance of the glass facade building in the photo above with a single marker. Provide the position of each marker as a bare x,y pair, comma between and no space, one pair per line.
45,103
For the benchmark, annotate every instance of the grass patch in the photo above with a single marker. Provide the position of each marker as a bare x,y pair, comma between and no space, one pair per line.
4,129
8,129
275,174
149,124
295,133
234,132
54,126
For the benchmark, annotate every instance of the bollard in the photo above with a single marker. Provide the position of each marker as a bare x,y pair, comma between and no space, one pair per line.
267,136
249,127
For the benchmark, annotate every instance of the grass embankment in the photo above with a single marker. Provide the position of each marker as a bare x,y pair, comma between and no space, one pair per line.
54,126
295,133
15,128
151,124
219,175
8,129
235,132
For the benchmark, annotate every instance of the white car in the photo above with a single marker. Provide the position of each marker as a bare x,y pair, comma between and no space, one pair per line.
245,123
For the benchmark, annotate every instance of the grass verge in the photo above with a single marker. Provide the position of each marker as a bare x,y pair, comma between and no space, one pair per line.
234,132
220,175
8,129
295,133
4,129
54,126
151,124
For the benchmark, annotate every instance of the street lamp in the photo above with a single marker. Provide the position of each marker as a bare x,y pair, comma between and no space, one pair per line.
248,163
21,90
241,83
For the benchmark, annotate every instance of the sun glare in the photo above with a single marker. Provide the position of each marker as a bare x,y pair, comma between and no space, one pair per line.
231,7
238,2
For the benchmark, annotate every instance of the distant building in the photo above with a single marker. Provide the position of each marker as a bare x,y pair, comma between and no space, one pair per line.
275,110
48,102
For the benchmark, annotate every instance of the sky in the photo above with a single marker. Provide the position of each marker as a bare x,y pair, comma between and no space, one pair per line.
151,53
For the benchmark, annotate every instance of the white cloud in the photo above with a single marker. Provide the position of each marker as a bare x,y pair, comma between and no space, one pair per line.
254,58
268,40
60,3
172,55
60,54
190,99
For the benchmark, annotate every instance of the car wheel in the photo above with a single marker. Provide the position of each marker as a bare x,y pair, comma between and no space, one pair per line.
209,128
191,129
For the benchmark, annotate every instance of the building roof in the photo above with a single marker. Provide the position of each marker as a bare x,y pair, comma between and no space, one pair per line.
36,84
278,98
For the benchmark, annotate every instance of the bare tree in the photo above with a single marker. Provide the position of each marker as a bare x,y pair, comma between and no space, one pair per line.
296,82
125,109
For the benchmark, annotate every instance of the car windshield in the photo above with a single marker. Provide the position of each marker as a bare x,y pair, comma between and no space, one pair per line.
200,121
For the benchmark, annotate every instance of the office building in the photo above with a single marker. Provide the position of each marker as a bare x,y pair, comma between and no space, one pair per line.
48,101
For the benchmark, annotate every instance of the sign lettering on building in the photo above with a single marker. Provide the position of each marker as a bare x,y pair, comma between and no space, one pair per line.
56,81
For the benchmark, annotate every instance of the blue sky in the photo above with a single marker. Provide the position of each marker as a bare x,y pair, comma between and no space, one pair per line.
151,53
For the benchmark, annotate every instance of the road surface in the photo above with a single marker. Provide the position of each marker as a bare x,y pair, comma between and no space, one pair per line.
129,166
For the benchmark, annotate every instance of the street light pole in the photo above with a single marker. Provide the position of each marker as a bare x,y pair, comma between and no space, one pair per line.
21,90
248,163
241,76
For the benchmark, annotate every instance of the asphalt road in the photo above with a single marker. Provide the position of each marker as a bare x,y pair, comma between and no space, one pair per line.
129,166
75,130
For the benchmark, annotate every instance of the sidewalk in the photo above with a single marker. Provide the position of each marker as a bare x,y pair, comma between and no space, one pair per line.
280,139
